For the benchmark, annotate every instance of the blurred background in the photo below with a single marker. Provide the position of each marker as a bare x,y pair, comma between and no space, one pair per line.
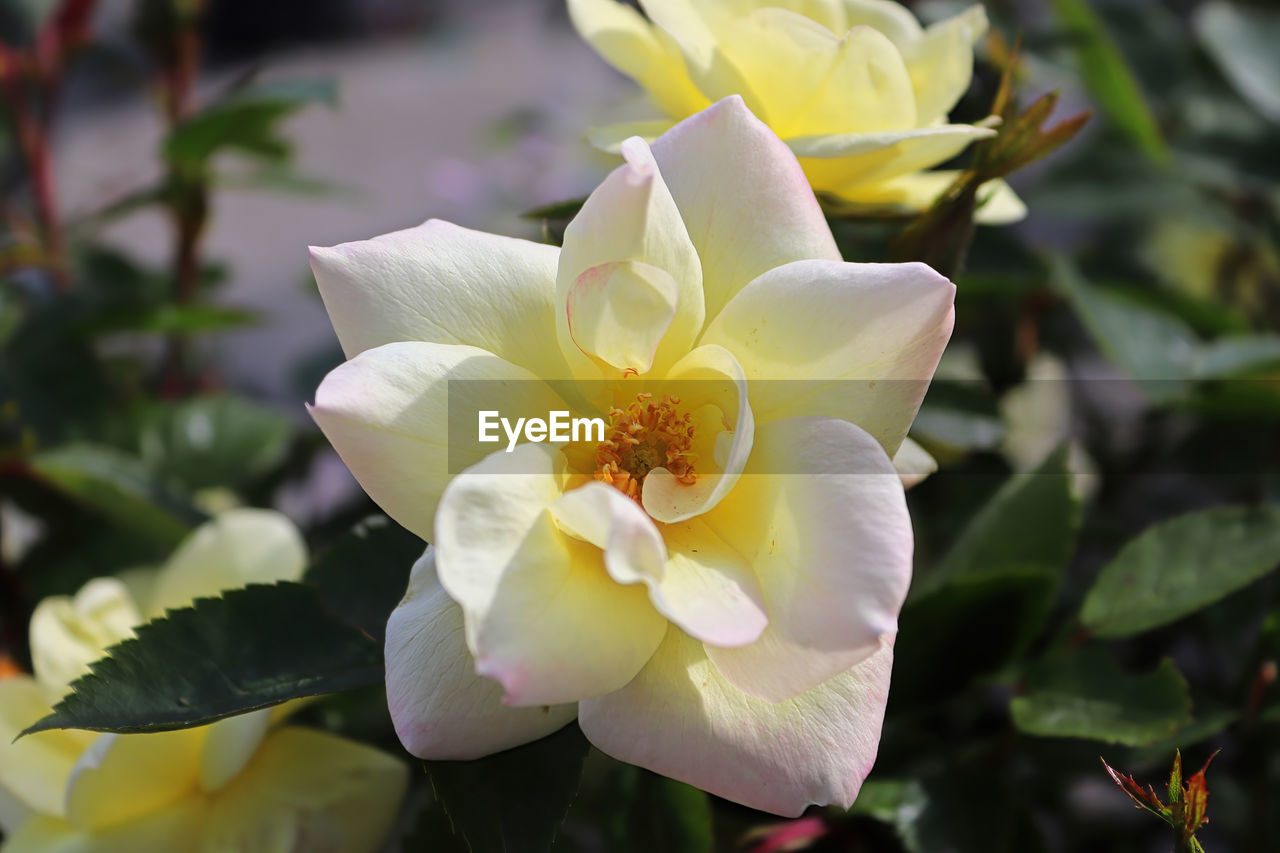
166,163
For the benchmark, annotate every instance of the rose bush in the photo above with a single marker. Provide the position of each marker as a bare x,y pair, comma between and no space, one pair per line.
244,783
857,88
713,590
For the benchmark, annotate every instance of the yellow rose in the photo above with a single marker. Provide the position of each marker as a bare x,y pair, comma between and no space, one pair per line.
857,88
244,783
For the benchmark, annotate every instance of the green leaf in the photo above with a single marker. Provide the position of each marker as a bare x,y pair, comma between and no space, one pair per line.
1031,521
119,487
557,210
1087,696
1243,43
1156,349
363,576
173,320
515,801
897,802
1238,355
1109,79
251,648
648,812
214,441
1179,566
990,615
246,121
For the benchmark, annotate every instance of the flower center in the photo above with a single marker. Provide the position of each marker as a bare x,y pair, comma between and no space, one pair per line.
644,436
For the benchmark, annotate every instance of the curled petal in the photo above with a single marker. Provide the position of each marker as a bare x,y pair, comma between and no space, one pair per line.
440,707
34,770
68,633
542,614
681,718
913,463
821,516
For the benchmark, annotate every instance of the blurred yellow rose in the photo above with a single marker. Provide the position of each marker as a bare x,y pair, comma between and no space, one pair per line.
243,783
857,88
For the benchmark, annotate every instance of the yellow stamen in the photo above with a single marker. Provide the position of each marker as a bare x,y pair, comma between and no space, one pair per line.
644,436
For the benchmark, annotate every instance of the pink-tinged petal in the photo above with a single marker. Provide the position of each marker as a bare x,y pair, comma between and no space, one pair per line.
542,614
693,578
440,707
859,342
309,790
629,223
681,718
744,198
403,418
442,283
821,516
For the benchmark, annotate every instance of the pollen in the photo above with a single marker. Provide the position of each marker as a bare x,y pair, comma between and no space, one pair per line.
643,436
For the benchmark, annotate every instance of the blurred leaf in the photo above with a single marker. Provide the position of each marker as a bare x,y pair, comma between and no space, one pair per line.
1154,348
557,210
251,648
117,486
514,801
1236,356
943,427
1243,42
213,441
649,812
173,319
1109,78
246,121
1086,696
897,802
1031,521
989,615
1176,567
363,576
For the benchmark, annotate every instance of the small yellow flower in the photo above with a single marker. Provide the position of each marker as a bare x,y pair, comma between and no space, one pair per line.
857,88
242,784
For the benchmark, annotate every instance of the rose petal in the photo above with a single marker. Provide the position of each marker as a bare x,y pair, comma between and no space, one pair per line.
238,547
123,777
843,164
681,718
632,45
542,614
171,828
34,770
403,417
701,585
913,463
941,62
744,199
632,217
821,517
858,342
229,745
69,633
442,283
440,707
306,787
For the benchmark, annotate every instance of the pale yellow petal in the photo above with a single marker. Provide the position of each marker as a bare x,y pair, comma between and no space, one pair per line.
845,164
913,463
228,746
632,45
306,792
121,777
236,548
68,633
175,828
941,62
34,770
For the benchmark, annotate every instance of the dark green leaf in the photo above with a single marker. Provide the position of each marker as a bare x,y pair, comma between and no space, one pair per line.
1086,696
213,441
897,802
117,486
1243,42
1177,567
251,648
515,801
648,812
1109,78
968,627
557,210
364,574
1031,521
173,320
